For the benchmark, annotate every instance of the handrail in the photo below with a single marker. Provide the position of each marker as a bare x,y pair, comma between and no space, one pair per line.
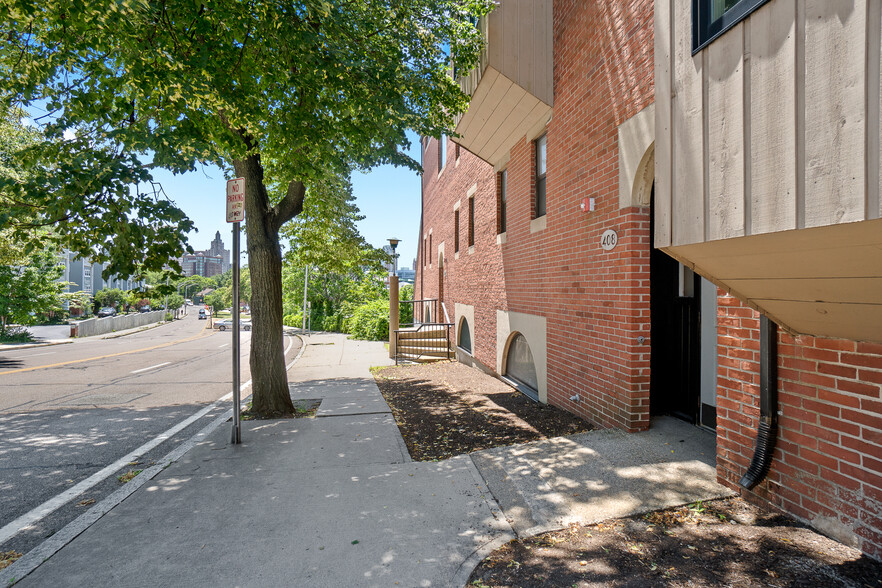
446,316
423,345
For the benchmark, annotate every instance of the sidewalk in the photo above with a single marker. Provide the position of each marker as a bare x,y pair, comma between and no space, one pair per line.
336,501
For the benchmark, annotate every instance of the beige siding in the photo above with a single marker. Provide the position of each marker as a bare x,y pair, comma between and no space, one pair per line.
688,144
725,110
662,16
768,159
519,40
835,59
773,118
765,130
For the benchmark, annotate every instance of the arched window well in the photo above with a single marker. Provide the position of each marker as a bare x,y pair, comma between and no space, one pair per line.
465,336
519,367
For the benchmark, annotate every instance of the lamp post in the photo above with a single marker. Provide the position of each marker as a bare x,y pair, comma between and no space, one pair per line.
394,243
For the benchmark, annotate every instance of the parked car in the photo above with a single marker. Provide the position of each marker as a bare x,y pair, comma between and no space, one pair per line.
225,324
145,308
106,311
202,314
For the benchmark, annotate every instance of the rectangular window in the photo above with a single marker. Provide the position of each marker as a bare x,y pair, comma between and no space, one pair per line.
456,230
472,221
442,152
502,181
457,151
541,148
712,18
430,249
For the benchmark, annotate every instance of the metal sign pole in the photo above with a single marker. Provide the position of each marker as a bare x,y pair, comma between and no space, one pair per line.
235,215
237,431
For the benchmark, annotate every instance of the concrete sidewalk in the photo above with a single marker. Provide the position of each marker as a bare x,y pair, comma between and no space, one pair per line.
336,500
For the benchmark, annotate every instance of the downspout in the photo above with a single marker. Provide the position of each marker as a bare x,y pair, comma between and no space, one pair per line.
767,432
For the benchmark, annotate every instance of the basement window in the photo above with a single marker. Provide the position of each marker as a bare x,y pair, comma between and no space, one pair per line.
712,18
465,336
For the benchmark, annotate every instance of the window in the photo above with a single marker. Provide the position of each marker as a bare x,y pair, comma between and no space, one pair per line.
472,221
712,18
456,149
541,144
430,249
442,152
520,368
501,183
456,231
465,336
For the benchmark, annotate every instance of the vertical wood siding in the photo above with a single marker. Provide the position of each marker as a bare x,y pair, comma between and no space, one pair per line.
773,126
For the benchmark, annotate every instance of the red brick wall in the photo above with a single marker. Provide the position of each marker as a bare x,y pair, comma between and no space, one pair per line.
827,467
596,303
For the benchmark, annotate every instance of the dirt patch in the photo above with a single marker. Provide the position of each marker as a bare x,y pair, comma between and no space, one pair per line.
726,542
304,408
447,408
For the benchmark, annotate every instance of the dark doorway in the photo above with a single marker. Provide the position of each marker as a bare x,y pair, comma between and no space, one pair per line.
675,357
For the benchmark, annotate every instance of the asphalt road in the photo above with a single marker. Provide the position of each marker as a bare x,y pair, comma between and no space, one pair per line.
69,411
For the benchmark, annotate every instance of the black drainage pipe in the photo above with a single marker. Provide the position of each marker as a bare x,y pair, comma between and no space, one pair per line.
767,432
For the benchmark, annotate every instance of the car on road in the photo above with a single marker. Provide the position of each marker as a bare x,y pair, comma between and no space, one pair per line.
106,311
202,314
145,308
223,325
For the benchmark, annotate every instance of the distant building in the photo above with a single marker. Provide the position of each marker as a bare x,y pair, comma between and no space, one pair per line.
406,274
200,264
217,250
87,276
209,262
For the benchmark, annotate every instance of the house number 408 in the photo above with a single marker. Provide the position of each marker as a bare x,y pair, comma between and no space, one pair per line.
609,239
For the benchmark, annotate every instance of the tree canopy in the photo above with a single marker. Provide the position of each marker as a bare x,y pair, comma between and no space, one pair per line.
287,94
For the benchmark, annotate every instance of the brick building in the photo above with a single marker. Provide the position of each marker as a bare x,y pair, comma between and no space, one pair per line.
609,273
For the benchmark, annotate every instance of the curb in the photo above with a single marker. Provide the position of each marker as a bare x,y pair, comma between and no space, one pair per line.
12,347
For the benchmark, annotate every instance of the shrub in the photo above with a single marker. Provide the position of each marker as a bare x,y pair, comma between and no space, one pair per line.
370,321
293,320
16,335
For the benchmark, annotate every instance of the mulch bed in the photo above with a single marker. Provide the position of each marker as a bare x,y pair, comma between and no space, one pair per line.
726,542
447,409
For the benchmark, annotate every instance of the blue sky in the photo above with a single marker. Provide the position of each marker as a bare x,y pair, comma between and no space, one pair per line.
388,197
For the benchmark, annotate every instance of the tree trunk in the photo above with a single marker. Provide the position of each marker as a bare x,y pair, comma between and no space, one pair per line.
269,381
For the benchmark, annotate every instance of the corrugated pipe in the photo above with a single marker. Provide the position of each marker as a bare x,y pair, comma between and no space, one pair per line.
767,432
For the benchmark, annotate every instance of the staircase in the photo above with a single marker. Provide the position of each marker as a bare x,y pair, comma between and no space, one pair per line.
423,343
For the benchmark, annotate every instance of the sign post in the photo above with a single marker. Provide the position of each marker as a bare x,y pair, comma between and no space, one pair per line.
235,215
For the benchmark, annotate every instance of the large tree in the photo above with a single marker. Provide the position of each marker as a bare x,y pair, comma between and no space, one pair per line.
284,93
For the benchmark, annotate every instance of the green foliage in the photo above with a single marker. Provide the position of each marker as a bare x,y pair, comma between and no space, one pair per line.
289,96
78,301
30,289
15,335
110,297
370,321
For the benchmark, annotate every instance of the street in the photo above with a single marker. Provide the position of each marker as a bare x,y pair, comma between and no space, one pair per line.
69,413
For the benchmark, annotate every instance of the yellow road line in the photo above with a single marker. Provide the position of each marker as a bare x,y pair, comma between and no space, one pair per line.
51,365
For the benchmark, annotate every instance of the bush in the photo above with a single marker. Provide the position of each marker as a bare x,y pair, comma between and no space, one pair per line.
16,335
370,321
293,320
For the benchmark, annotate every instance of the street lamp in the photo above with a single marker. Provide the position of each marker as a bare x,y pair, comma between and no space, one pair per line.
394,243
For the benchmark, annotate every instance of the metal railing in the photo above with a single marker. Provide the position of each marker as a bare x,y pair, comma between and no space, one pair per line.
422,337
421,311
